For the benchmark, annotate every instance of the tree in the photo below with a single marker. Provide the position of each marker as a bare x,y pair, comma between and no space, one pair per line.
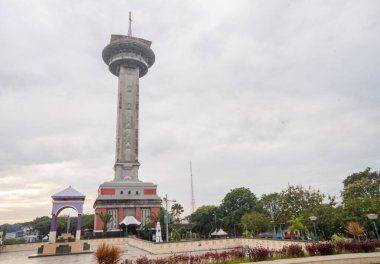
42,225
106,218
235,204
204,220
176,211
330,220
361,195
87,222
295,199
256,222
272,204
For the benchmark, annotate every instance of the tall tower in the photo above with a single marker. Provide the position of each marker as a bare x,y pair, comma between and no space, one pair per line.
128,58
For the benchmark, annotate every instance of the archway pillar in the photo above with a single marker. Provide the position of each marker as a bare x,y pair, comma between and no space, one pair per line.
53,228
79,224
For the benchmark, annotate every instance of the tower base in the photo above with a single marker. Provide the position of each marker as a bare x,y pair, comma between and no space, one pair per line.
123,198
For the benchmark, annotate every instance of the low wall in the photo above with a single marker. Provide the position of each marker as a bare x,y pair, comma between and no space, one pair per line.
35,246
184,246
270,243
21,247
207,245
172,247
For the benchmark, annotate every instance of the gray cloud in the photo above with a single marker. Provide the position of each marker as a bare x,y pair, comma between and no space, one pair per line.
257,94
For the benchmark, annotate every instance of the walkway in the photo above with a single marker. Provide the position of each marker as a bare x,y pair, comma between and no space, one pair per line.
362,258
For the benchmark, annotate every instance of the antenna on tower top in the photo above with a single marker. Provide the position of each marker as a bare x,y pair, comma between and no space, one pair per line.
192,190
130,25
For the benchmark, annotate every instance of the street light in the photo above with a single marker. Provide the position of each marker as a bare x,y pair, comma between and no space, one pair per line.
167,216
314,219
373,218
272,216
215,223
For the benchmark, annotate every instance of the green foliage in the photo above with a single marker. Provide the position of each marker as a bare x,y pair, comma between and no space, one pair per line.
295,199
42,224
13,241
296,223
247,234
87,222
256,222
330,220
235,204
106,218
361,196
203,219
176,211
175,234
271,203
339,239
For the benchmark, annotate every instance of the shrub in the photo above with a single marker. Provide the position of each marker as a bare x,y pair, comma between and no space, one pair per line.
368,246
260,253
337,239
357,247
106,254
293,251
326,248
13,241
355,229
312,249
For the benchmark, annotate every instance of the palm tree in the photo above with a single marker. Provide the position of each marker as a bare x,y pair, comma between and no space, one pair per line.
106,218
355,229
296,223
176,211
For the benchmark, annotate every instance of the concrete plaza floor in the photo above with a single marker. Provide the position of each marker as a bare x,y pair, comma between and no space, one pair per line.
132,253
21,257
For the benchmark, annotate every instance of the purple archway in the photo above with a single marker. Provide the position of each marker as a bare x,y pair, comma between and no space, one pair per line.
68,198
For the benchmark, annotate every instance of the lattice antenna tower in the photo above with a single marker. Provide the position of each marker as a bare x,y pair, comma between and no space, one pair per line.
192,190
130,25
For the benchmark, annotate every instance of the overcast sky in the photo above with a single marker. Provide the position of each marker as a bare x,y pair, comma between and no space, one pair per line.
259,94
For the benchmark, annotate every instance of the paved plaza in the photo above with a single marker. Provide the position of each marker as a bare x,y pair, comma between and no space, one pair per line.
21,257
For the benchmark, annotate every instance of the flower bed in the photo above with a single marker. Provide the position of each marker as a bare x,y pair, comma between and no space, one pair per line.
261,253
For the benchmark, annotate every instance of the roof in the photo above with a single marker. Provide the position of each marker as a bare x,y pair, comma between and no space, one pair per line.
129,220
220,232
70,193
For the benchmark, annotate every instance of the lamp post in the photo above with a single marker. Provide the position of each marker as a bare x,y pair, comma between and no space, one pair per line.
166,200
281,230
314,219
215,223
373,218
272,216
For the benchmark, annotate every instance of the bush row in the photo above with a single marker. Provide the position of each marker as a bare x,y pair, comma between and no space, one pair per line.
261,253
328,248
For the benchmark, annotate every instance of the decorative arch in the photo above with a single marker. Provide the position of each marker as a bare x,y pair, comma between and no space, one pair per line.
68,198
65,207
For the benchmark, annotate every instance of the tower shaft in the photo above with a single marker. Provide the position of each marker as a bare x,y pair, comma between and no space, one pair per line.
126,158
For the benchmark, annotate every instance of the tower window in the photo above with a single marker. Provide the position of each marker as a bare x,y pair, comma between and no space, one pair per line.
129,192
137,192
121,192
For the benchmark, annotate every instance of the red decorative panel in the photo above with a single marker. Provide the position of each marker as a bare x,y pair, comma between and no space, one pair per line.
155,211
107,191
120,215
98,221
138,214
149,191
